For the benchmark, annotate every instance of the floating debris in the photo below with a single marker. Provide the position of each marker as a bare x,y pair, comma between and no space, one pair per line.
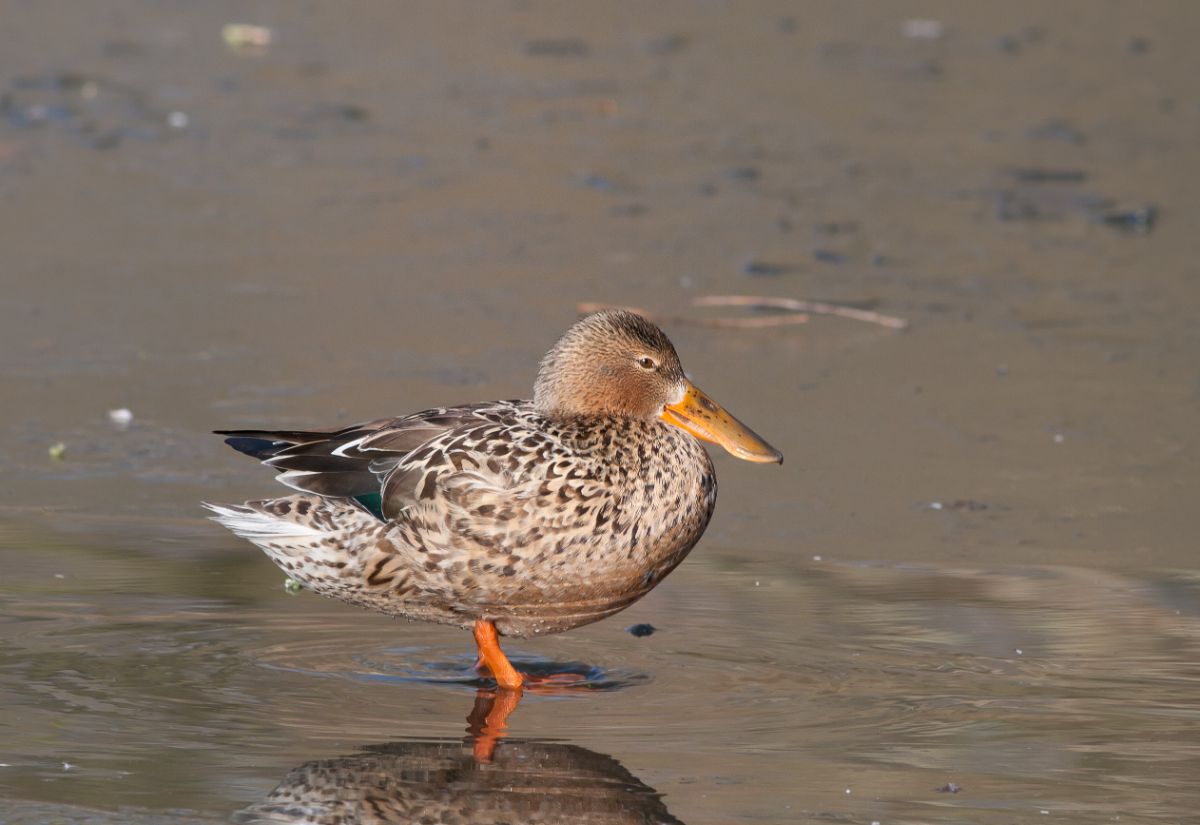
121,417
101,113
828,256
949,787
602,183
246,36
57,451
1132,219
1008,43
1036,174
346,112
1057,128
965,505
292,587
763,269
836,227
667,44
793,311
640,630
745,173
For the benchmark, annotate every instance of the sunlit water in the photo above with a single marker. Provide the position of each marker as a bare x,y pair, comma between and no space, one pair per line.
400,207
187,687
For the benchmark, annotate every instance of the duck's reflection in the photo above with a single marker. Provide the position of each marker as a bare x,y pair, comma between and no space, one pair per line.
483,778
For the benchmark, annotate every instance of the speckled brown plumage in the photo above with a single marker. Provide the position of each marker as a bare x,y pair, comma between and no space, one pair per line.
539,516
440,782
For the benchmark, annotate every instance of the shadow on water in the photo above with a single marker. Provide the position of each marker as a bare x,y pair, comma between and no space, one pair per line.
481,778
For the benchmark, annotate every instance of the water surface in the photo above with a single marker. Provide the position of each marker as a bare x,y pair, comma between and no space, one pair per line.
969,595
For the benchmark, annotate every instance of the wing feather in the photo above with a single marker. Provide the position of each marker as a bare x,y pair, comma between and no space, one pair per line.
369,458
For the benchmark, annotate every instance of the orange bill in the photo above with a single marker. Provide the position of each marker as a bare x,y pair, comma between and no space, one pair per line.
704,418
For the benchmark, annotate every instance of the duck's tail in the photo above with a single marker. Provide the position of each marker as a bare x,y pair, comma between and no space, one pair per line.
314,540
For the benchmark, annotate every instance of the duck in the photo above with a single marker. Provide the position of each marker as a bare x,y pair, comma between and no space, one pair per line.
509,518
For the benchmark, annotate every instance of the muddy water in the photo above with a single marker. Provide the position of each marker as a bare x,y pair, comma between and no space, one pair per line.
971,592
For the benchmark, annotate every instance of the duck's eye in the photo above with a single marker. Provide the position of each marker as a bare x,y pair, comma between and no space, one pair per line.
647,363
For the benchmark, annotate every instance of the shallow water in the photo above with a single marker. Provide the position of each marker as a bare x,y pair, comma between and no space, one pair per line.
972,592
185,686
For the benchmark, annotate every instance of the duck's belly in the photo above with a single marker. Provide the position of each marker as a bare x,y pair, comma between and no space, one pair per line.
589,588
558,582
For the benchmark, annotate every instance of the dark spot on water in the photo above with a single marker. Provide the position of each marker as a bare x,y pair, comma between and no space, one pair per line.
640,630
828,256
628,210
667,44
1008,43
949,787
1135,219
1057,128
339,112
1035,174
763,269
601,182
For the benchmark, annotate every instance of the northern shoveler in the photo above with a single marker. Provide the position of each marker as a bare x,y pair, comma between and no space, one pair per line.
510,517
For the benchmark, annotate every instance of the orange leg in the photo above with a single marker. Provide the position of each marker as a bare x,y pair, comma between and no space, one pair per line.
488,722
488,642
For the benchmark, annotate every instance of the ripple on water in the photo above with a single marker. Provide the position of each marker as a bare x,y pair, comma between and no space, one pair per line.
431,665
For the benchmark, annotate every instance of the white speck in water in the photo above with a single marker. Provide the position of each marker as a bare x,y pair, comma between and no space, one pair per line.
1058,438
1045,812
67,766
178,120
59,576
816,558
935,505
1020,652
847,790
757,583
121,417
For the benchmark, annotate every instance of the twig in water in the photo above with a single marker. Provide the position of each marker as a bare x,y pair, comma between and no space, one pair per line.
798,312
720,323
813,307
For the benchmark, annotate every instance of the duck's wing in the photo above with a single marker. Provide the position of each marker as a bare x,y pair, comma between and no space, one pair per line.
354,462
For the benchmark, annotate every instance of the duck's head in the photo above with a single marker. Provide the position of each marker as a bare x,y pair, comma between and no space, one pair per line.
616,363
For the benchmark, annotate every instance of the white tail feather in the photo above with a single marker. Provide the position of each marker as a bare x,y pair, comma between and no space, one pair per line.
260,527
